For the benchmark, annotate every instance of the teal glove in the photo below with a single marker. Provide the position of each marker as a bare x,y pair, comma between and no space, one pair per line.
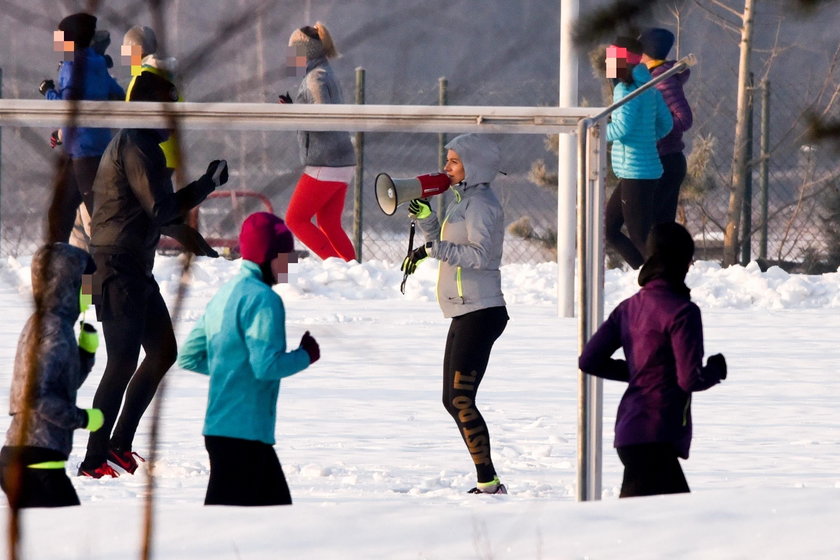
413,259
95,419
419,209
88,338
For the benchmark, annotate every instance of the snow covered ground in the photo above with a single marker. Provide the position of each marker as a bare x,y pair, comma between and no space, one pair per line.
378,470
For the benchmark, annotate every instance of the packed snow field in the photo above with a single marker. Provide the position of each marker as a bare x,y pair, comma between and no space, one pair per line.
376,466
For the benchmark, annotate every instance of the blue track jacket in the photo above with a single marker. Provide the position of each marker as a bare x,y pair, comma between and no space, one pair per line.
240,341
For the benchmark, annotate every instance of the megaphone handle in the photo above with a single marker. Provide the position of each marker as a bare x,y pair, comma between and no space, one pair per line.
411,229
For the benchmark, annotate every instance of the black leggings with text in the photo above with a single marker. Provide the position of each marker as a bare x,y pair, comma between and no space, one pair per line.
465,359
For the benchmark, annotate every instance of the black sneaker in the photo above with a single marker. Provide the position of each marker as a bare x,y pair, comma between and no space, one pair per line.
495,486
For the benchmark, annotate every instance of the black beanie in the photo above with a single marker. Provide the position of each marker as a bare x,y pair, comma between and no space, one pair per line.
78,28
670,249
148,86
657,42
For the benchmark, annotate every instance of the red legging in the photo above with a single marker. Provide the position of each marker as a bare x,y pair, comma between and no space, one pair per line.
325,201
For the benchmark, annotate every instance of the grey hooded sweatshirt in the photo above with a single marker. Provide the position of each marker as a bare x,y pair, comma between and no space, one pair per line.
325,148
468,243
60,368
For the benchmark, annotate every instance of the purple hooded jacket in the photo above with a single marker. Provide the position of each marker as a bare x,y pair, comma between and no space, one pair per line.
672,91
662,335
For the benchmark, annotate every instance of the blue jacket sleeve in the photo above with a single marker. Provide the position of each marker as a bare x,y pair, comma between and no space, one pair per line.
193,354
264,324
625,118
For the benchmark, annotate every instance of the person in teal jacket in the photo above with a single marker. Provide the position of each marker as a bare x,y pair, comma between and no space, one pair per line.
633,130
240,342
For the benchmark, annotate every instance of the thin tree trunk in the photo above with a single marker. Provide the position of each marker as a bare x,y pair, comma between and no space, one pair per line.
739,157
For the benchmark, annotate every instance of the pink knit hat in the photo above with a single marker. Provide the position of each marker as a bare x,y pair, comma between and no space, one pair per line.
263,237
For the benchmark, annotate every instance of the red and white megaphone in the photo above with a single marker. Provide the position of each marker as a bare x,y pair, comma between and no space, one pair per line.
391,192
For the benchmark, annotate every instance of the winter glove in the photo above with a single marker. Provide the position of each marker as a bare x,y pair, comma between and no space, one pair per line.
718,362
88,338
418,255
419,209
284,98
46,85
95,419
55,139
308,343
190,239
217,172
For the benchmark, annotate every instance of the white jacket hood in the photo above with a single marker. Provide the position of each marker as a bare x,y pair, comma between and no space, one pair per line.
480,157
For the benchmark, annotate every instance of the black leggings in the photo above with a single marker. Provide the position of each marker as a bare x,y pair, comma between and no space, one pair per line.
144,321
465,359
667,191
631,204
651,469
73,186
244,473
39,487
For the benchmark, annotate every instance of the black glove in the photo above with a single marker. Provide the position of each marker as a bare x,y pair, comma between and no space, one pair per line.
217,171
285,98
308,343
718,362
190,239
413,259
46,85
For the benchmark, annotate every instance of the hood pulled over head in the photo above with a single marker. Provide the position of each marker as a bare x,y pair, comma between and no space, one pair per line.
57,271
480,156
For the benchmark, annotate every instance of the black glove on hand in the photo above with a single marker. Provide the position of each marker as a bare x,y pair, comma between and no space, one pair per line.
285,98
718,362
190,239
412,260
55,139
217,171
46,85
308,343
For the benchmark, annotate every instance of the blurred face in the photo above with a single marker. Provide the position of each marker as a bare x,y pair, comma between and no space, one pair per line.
132,55
454,167
616,62
295,61
282,267
62,46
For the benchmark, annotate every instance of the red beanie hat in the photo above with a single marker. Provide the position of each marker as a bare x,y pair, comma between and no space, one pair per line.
263,236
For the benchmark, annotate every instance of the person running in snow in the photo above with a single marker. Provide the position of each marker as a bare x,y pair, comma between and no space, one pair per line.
140,45
661,332
634,129
240,342
134,204
50,366
83,76
468,244
328,156
656,43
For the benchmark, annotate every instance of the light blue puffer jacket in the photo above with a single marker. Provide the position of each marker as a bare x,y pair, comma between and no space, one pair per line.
635,127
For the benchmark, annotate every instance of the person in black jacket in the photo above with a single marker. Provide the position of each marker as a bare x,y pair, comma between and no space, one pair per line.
134,204
50,366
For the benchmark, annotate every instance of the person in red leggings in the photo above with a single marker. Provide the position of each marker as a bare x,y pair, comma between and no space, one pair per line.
328,156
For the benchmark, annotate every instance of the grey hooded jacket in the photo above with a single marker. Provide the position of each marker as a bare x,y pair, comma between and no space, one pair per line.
59,372
326,148
468,243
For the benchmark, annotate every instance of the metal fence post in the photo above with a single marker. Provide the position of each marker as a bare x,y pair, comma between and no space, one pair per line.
1,166
746,221
358,205
442,100
764,165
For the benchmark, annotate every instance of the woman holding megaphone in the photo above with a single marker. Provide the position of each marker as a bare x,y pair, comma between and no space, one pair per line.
468,244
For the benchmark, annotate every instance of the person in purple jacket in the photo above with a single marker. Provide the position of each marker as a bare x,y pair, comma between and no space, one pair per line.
656,44
661,333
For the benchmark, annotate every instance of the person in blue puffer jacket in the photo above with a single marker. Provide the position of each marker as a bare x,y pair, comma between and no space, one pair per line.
634,129
84,77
